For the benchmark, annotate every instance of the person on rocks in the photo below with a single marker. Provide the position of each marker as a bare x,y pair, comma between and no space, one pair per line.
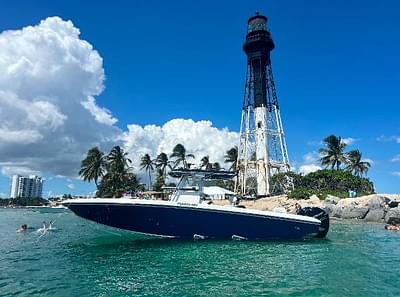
297,208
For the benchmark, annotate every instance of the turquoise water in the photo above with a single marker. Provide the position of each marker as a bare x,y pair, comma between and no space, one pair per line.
81,259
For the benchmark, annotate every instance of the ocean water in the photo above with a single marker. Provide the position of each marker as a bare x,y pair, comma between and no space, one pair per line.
79,258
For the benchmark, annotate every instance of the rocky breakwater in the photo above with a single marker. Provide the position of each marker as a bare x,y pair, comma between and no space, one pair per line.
371,208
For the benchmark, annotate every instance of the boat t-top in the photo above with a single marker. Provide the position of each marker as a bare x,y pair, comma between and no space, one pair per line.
188,214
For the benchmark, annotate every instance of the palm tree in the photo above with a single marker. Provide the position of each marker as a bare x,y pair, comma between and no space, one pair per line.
356,164
333,154
231,156
118,161
162,163
205,162
179,153
93,166
216,166
147,164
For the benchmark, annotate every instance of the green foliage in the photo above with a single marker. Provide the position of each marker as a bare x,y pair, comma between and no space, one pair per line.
163,163
179,153
324,182
115,185
356,164
147,163
231,156
285,182
333,153
23,201
305,193
93,166
160,181
338,180
113,170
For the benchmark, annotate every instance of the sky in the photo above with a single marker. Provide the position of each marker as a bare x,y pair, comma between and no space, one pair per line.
149,74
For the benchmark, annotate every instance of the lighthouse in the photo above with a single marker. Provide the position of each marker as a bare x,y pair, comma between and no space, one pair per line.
262,148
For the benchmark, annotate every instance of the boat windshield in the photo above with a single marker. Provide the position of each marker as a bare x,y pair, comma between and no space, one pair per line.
190,187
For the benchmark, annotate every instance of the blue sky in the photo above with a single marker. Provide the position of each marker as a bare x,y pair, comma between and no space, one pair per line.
336,66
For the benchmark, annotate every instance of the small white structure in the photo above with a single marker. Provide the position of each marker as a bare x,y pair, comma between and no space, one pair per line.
214,192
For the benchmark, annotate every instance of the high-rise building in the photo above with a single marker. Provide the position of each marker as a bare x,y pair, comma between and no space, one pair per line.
26,186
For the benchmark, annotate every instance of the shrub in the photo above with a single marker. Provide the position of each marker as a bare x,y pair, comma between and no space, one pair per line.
321,183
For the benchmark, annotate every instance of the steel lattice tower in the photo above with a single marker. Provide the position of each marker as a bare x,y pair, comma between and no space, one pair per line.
262,148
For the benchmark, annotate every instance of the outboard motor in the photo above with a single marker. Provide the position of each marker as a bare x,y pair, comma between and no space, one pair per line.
319,214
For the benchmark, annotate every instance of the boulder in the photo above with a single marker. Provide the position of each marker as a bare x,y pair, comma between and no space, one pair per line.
349,211
329,208
376,202
330,199
393,216
375,215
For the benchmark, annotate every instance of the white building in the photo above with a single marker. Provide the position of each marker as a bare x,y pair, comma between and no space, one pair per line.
214,192
26,186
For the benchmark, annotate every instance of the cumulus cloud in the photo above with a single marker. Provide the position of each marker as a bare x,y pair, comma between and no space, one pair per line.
199,138
48,83
101,114
310,163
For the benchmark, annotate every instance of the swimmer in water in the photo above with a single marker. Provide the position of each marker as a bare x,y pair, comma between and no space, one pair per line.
23,228
392,227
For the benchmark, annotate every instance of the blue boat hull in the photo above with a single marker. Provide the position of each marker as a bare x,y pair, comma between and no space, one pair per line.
187,222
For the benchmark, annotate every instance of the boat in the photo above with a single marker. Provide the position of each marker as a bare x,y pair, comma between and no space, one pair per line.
187,214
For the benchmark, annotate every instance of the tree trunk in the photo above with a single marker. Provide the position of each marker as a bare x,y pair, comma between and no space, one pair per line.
149,180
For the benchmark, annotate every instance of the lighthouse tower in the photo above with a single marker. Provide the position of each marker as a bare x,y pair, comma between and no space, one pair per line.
262,148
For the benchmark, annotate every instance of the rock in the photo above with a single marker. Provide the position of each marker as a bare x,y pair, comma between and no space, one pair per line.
329,208
376,202
393,216
349,212
313,200
330,199
375,215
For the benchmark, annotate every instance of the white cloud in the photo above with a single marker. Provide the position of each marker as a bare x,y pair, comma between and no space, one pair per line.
308,168
370,161
396,173
10,168
102,115
310,163
311,157
199,138
384,138
396,158
49,116
349,140
71,186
